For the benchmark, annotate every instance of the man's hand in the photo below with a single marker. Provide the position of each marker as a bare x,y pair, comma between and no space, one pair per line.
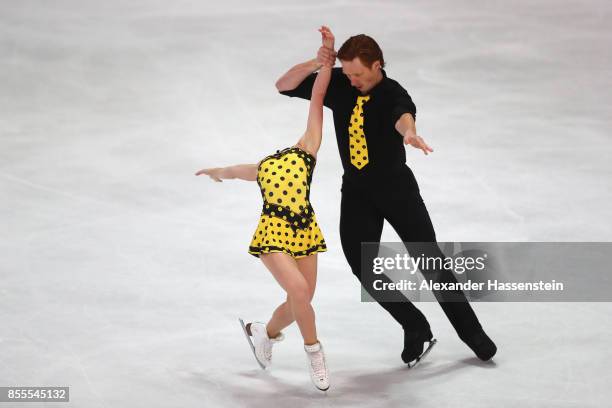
416,141
326,56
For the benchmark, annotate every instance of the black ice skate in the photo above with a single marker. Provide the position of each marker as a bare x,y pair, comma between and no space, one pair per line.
414,343
481,345
416,361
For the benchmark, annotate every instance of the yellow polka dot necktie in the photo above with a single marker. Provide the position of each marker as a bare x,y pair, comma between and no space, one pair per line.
358,146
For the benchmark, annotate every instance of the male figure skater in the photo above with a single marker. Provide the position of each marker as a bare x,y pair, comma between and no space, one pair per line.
373,116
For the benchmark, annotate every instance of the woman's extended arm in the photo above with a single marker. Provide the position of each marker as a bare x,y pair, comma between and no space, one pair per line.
311,140
247,172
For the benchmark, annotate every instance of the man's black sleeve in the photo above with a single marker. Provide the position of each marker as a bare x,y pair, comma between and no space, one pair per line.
401,103
304,89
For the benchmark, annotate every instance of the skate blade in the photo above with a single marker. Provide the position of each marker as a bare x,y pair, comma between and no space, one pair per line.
416,362
250,343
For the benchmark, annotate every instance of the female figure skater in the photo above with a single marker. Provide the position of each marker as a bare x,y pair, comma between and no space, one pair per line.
288,237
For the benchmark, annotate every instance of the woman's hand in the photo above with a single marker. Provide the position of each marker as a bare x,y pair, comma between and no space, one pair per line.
213,173
327,37
326,55
247,172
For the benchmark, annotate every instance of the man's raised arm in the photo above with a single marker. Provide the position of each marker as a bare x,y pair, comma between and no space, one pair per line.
296,75
292,78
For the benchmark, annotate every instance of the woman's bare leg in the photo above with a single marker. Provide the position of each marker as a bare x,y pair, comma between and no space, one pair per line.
286,272
282,316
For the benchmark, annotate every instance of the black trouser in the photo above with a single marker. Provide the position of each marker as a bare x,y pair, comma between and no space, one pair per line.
395,197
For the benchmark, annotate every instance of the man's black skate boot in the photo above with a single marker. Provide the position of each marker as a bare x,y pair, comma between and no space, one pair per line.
414,344
481,345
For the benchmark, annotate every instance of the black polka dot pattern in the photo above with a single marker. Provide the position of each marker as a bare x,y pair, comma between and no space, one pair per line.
357,142
288,223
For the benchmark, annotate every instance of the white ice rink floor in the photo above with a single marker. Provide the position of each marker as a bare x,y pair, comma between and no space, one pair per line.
122,275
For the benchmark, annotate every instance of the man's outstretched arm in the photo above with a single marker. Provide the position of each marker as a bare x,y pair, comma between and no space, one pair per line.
406,127
404,114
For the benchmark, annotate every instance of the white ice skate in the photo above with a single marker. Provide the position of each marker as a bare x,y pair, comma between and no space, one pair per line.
319,374
261,344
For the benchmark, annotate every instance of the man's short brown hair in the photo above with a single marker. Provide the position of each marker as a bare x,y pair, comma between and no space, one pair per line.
364,47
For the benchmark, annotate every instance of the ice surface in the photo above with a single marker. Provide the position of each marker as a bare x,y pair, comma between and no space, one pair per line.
122,275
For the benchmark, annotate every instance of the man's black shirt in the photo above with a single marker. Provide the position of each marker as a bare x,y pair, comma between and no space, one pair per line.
388,101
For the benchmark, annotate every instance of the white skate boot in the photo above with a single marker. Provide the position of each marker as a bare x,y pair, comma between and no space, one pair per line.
260,343
317,364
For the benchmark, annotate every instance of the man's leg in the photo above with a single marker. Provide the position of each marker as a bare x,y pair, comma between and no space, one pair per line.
407,214
361,221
